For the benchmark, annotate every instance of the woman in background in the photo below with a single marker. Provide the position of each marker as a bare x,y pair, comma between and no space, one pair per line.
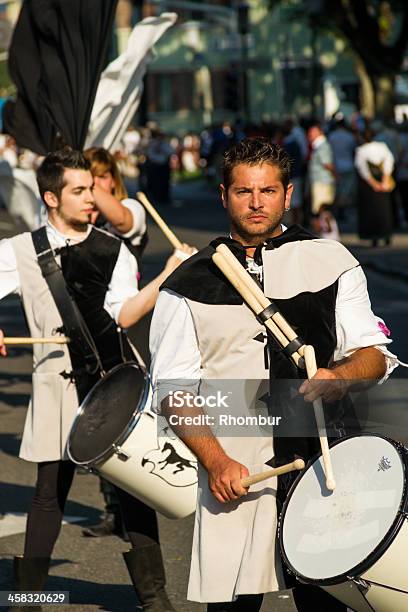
117,213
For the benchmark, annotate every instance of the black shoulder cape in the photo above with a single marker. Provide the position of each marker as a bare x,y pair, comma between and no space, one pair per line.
200,280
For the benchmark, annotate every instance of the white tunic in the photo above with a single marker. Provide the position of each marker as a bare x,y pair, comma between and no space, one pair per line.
54,401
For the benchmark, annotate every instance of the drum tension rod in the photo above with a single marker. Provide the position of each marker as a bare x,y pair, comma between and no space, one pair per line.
120,453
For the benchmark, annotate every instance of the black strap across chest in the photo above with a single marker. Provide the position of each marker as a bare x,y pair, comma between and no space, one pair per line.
81,342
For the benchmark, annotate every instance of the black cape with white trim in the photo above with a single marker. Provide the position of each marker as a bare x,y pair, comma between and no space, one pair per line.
294,262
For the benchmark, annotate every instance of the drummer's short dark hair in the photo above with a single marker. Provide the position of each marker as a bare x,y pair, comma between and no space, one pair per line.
253,152
50,175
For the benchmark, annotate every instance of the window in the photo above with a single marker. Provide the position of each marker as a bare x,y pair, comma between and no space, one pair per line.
169,91
297,82
226,88
190,14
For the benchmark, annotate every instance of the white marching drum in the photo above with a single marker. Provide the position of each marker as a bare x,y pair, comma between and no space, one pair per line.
353,541
117,436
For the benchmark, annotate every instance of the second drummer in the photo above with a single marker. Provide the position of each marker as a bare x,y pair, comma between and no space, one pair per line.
100,274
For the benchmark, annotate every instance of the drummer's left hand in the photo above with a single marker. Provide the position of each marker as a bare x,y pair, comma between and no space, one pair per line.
327,384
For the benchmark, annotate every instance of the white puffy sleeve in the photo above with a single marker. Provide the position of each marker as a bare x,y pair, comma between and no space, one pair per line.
356,324
173,346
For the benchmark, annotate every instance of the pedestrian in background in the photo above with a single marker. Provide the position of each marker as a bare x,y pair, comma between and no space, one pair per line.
158,155
325,224
321,169
375,164
291,145
343,146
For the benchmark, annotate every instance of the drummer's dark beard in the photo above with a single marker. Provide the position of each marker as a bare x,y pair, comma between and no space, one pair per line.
79,226
249,238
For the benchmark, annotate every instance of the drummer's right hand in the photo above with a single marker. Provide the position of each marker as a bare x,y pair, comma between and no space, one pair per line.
3,350
185,251
224,479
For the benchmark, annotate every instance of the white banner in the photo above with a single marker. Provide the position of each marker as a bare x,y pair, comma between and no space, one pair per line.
121,84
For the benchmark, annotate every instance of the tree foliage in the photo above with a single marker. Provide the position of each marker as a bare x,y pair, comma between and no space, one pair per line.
376,30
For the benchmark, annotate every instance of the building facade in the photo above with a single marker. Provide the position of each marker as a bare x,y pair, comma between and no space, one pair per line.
210,67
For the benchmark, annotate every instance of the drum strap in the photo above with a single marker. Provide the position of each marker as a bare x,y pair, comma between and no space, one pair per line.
82,347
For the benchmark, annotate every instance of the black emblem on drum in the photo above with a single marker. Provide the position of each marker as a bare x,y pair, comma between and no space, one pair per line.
166,463
384,464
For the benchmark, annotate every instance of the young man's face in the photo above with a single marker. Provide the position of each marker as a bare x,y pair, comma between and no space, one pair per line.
255,202
77,200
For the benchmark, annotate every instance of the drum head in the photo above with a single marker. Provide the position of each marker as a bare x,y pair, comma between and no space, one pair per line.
107,412
325,535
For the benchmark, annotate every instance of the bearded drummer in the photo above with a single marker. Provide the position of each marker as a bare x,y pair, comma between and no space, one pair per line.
201,331
100,274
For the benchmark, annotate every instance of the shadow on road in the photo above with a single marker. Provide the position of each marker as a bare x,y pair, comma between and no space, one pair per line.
13,378
10,444
112,597
15,399
16,498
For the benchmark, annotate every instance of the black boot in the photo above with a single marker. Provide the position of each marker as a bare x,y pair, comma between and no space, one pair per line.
30,575
146,570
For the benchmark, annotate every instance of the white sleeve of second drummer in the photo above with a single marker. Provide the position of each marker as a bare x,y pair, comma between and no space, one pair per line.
173,346
139,218
123,284
138,222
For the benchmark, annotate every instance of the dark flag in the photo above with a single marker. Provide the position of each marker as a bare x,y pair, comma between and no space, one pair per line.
56,57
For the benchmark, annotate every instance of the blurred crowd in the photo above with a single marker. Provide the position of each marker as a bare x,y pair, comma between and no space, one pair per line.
355,170
351,170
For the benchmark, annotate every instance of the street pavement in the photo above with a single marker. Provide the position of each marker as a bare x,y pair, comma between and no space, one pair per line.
92,570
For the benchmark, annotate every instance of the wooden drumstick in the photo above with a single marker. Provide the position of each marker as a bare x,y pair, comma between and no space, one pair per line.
160,222
257,291
311,368
298,464
57,340
225,266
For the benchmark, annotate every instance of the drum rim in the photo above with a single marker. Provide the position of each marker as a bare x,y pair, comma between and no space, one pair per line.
133,420
378,551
